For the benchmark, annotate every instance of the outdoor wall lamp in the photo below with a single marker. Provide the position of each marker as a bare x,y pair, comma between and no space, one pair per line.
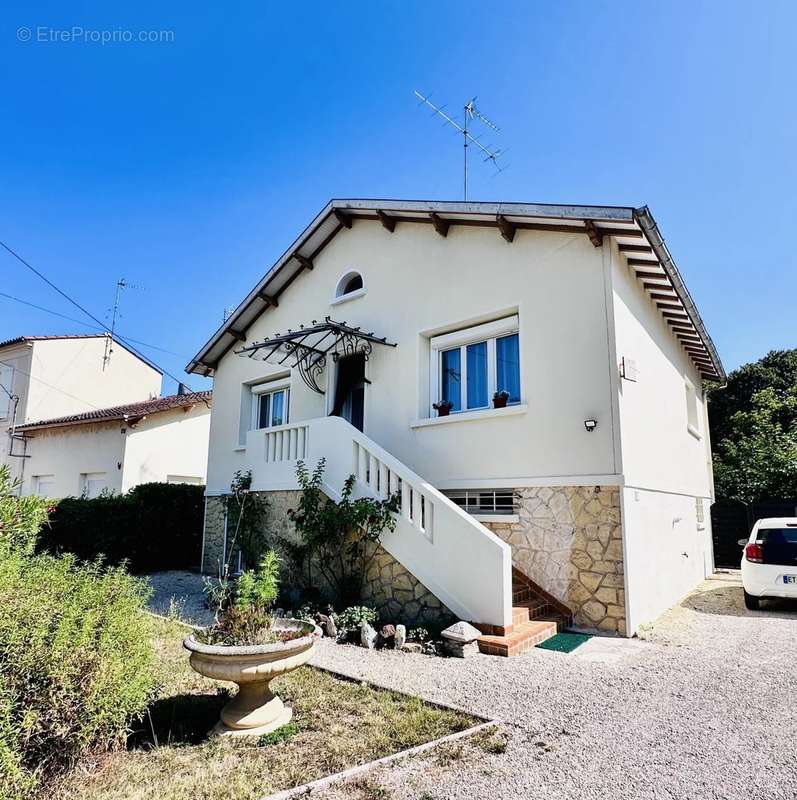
590,424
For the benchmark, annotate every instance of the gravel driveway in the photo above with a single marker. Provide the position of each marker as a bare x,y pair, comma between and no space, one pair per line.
704,708
179,592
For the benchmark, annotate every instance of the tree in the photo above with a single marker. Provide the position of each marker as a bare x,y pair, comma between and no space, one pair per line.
758,458
777,370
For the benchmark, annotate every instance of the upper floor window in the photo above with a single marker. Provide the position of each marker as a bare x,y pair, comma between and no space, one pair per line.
349,286
470,367
270,408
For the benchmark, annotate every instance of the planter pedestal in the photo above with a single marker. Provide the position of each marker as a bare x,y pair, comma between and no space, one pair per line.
255,710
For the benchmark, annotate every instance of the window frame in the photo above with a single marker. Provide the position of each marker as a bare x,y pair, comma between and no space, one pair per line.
87,478
692,407
487,332
7,381
38,480
268,389
341,296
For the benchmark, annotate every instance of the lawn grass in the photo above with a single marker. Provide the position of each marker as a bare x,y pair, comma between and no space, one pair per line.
337,724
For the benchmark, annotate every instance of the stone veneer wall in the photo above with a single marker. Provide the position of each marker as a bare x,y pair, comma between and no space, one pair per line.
568,540
400,596
389,587
213,540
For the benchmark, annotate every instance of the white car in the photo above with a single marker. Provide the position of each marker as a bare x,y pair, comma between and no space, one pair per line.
769,561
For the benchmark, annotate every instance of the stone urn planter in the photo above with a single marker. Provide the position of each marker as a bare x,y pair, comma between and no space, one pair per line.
255,710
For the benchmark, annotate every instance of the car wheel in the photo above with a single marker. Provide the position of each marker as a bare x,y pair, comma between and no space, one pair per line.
753,603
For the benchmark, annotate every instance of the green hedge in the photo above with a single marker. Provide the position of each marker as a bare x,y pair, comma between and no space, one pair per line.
155,526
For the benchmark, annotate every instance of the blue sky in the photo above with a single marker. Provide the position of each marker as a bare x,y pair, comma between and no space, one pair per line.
187,167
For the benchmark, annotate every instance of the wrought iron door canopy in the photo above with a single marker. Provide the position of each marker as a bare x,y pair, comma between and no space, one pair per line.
307,348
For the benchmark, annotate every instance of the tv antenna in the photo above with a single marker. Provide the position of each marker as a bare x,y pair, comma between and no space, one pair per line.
470,112
120,284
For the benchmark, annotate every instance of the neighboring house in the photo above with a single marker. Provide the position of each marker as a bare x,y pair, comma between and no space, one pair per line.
42,377
114,449
594,482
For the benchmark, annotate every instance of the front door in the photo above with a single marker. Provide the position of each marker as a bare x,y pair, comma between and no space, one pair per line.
350,390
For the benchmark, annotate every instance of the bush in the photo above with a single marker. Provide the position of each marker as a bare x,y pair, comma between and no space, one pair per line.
339,539
155,526
242,606
76,664
20,517
351,619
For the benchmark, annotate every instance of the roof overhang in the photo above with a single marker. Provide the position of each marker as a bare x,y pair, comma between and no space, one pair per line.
634,230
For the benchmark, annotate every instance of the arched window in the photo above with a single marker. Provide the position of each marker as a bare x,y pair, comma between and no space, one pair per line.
351,282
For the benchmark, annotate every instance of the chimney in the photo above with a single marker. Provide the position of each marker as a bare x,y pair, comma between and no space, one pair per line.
182,389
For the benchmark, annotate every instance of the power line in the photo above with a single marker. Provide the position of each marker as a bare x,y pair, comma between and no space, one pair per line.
75,303
86,324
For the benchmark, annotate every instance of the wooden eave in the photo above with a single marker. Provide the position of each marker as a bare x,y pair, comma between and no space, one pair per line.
623,225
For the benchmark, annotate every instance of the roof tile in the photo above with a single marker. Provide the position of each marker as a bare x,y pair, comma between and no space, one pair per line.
129,411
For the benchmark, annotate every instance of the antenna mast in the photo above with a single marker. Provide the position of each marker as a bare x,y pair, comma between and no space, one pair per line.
470,112
106,359
120,284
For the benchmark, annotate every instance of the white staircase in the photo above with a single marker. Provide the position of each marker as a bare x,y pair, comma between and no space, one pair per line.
459,560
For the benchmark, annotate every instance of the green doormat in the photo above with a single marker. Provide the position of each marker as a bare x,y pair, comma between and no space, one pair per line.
565,642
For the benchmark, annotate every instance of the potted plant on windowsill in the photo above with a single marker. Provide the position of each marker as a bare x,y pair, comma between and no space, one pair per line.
443,408
500,399
248,646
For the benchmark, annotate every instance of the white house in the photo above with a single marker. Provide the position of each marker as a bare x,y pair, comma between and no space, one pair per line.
51,376
114,449
584,499
74,421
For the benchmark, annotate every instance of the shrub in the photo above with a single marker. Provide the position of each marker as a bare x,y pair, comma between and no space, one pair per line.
20,517
351,619
339,539
243,604
418,634
246,516
76,663
155,526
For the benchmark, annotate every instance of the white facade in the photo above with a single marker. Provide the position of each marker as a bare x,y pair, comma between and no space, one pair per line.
56,376
666,456
417,286
579,311
87,458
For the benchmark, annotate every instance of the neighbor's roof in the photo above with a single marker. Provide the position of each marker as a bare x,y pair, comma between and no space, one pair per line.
132,412
24,339
634,230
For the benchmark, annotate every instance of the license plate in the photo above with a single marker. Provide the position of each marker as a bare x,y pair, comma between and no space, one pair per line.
790,578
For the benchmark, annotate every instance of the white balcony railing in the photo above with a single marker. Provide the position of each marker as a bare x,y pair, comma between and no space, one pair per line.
456,557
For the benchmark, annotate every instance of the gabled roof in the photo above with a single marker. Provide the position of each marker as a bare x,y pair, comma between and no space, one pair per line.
24,339
131,412
634,230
